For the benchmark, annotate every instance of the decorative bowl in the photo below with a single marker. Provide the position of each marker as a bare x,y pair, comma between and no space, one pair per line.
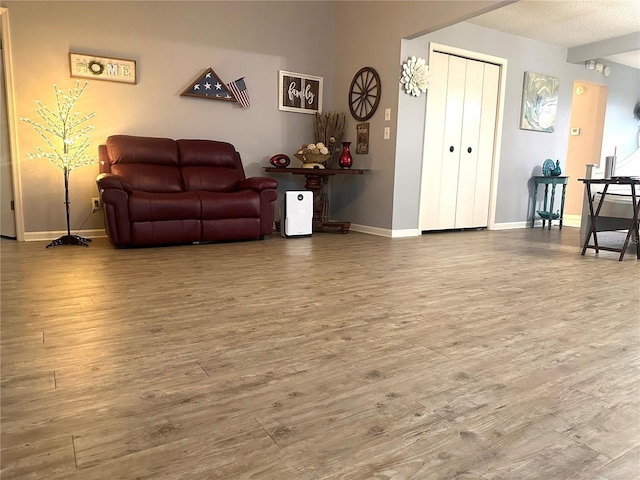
545,215
280,160
311,160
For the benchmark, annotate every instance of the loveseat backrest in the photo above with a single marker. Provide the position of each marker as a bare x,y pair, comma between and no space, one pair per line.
210,165
147,163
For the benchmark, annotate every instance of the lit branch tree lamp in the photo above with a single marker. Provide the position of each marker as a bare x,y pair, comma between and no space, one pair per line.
67,136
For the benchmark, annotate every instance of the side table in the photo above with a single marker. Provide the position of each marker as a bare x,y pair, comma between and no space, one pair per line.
546,181
314,182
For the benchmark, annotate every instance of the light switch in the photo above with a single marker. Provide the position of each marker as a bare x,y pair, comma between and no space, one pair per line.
387,114
387,132
575,131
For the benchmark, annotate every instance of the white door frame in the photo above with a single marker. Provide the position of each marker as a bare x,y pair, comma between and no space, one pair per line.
11,120
502,63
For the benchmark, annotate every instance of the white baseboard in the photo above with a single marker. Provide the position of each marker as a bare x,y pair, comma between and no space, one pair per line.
571,220
381,232
407,232
385,232
48,236
414,232
513,225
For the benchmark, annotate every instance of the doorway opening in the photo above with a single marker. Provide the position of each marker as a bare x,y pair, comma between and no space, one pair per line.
588,108
12,225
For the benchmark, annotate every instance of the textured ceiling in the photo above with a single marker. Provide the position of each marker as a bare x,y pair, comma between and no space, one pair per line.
568,23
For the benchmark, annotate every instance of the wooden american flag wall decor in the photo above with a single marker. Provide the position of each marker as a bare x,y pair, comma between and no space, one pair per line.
209,85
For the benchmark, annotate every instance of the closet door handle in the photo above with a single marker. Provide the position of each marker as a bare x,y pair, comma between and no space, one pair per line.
451,148
469,150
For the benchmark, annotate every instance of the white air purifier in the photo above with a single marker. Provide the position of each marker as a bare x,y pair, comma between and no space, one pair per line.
297,214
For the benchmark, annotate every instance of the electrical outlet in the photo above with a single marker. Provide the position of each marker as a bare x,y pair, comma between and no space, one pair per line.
387,114
95,204
387,132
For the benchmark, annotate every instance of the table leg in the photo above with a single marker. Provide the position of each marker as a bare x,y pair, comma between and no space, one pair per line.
316,185
636,219
534,201
553,196
564,191
633,230
592,218
546,193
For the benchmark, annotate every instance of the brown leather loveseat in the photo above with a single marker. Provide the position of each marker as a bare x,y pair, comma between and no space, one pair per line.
161,191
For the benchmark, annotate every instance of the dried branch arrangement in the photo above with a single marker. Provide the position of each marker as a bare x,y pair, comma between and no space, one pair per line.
329,128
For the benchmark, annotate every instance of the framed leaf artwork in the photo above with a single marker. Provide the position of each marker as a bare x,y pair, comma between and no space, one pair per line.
539,102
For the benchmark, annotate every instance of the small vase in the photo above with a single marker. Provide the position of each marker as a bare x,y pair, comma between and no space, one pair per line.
346,160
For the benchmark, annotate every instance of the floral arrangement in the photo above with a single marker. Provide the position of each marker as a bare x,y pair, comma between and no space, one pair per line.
313,155
318,148
415,76
328,128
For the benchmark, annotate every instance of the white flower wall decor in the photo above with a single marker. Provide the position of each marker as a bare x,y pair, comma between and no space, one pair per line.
415,76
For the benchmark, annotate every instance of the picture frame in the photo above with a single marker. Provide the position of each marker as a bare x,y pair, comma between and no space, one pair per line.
299,92
362,136
539,102
102,68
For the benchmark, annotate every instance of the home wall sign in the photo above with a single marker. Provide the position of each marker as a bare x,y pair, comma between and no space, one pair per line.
102,68
299,93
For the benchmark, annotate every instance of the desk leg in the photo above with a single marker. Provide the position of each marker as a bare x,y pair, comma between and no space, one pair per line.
553,196
636,219
593,217
633,230
592,220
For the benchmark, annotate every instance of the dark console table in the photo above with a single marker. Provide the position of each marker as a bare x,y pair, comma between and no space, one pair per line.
594,213
315,181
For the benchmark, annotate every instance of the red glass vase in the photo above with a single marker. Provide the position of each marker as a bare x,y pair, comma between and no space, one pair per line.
345,160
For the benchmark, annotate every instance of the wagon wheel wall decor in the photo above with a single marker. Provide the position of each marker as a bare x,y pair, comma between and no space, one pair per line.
364,94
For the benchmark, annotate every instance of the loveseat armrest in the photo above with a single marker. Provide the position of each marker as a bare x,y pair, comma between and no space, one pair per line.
110,180
259,183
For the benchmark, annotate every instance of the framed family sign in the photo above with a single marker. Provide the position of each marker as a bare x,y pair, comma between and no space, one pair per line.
299,93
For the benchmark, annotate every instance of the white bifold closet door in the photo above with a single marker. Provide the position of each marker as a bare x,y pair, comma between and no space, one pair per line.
459,143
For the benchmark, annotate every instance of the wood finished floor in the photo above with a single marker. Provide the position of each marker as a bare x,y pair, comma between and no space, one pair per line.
474,356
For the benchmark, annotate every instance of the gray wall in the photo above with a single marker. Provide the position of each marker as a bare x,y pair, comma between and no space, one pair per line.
370,34
522,151
172,42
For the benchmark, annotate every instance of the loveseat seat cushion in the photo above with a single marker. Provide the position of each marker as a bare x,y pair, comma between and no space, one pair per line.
210,165
147,163
152,207
242,204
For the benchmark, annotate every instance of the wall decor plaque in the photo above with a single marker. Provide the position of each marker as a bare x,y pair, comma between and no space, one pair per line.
102,68
299,93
